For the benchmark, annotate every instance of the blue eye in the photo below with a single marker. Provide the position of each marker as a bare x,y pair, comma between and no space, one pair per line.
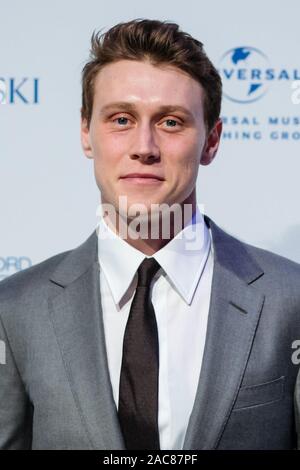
171,122
122,120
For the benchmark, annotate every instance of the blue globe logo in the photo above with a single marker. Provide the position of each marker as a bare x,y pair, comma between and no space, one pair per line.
243,72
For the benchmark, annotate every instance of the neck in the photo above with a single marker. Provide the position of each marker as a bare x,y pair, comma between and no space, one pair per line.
154,231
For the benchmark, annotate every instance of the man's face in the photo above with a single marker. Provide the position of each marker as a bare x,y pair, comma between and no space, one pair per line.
147,119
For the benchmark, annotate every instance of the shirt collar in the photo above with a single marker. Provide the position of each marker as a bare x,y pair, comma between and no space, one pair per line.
183,258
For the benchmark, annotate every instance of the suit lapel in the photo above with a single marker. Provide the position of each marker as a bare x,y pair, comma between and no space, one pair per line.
235,309
75,310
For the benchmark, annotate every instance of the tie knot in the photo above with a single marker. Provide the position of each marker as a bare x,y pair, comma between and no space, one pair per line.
147,269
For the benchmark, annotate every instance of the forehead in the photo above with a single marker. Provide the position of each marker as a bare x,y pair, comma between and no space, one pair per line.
142,83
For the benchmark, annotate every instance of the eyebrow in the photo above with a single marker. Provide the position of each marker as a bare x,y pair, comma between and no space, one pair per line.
126,106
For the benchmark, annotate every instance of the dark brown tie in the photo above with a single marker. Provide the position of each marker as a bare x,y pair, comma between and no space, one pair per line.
138,392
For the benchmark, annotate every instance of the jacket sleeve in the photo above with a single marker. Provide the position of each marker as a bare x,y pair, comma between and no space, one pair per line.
15,408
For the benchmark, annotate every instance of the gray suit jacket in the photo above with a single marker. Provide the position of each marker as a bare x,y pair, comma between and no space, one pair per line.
55,390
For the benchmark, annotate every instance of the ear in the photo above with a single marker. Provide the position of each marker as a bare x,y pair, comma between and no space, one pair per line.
85,138
212,143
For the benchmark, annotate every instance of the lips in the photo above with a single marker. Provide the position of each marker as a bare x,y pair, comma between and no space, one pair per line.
143,175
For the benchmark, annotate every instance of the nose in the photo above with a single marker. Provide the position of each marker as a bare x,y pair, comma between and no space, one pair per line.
144,145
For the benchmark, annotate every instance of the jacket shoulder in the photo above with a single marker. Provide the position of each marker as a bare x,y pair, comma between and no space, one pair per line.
33,277
230,245
281,275
273,261
31,285
250,262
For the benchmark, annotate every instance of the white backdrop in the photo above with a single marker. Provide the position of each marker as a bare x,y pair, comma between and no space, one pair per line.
48,194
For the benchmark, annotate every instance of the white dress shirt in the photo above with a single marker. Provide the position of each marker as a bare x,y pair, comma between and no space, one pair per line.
180,294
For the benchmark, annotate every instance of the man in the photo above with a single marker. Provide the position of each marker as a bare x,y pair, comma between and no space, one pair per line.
178,339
